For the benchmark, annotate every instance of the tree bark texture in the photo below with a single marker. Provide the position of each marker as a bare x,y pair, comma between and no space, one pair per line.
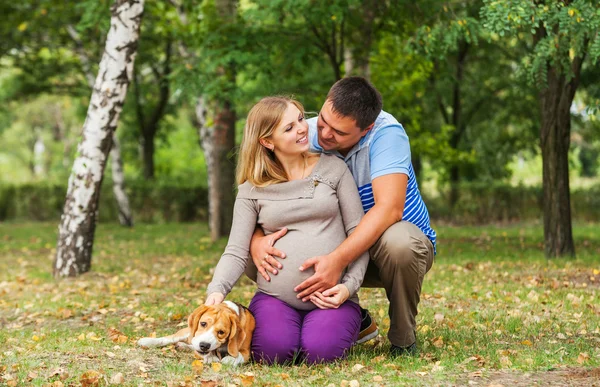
555,132
78,222
125,215
217,141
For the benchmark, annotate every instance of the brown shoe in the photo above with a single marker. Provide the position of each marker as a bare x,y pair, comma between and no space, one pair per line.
368,327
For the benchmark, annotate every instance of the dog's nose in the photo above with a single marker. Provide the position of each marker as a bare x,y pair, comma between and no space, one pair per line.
204,347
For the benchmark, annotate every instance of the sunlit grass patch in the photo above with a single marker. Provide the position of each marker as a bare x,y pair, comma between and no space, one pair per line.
492,307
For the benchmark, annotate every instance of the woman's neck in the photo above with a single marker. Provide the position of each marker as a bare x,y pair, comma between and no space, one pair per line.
294,167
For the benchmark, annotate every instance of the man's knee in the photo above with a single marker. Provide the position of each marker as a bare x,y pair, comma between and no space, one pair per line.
400,247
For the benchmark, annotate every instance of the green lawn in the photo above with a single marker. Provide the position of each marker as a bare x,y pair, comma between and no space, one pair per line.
493,310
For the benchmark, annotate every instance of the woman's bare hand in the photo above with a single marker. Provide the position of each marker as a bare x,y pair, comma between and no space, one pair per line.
331,298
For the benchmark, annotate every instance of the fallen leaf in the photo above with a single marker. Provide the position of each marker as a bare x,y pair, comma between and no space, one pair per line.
377,378
583,357
117,378
505,361
247,379
90,378
439,342
209,383
354,383
216,367
527,342
357,367
439,318
197,366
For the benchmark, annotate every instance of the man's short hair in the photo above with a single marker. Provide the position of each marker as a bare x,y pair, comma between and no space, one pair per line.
357,98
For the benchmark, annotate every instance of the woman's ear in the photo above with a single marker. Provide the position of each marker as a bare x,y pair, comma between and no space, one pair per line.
266,143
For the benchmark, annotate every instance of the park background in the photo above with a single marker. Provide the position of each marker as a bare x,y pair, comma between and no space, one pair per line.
499,99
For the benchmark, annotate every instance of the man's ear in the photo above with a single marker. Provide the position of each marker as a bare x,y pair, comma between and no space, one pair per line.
266,143
365,131
194,319
236,337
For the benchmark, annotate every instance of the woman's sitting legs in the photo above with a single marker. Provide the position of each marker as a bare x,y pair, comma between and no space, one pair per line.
276,338
328,334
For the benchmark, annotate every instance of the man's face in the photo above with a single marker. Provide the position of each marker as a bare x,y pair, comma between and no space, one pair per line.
336,132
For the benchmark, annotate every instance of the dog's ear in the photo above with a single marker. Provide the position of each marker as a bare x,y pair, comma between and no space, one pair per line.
194,319
236,336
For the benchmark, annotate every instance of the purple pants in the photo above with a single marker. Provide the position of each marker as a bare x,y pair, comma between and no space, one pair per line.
284,334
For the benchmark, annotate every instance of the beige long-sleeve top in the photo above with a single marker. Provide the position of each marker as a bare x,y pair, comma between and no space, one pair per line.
320,211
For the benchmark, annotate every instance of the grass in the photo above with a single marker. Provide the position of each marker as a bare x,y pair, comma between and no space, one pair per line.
493,310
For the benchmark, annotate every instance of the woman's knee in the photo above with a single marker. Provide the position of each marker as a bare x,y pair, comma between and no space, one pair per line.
276,338
276,350
327,335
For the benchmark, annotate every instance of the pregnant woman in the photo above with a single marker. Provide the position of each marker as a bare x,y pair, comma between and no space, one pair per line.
315,197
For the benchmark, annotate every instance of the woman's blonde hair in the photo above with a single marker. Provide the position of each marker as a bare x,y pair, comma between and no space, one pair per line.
256,163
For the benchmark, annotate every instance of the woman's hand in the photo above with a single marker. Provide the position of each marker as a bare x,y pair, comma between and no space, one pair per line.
331,298
263,253
214,299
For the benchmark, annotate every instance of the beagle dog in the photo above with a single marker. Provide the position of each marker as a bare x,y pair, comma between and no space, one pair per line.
219,333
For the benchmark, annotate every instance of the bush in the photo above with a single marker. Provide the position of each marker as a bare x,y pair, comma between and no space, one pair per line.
150,202
156,202
480,203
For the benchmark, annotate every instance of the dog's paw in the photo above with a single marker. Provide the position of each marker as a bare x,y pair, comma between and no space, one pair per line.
210,358
183,346
147,342
233,361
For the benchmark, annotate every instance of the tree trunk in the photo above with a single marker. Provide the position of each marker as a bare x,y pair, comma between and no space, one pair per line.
125,216
454,185
78,222
216,142
148,154
555,104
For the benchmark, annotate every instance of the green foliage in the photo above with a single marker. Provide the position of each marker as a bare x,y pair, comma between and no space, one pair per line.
561,31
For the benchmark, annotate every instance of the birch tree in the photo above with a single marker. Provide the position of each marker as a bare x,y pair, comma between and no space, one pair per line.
78,222
125,215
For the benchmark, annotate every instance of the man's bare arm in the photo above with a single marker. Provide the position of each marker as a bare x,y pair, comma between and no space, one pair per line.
263,253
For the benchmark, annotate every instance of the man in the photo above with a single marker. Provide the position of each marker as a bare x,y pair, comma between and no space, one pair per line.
395,228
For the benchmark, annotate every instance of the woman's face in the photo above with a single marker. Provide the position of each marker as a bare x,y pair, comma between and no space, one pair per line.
291,135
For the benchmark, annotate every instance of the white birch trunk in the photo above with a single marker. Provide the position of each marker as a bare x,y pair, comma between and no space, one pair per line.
125,215
78,222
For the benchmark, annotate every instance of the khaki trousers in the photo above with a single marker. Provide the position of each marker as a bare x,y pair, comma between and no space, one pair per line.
399,261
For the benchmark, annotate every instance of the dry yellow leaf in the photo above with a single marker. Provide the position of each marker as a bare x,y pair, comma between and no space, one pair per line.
216,367
247,379
90,378
117,378
377,378
357,367
583,357
439,342
197,366
527,342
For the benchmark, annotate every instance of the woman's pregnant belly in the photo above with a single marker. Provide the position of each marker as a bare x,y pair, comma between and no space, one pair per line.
298,247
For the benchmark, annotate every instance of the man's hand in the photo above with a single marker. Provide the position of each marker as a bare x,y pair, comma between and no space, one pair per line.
327,274
331,298
263,253
214,299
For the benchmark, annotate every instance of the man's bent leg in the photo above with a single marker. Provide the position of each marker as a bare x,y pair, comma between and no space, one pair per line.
402,256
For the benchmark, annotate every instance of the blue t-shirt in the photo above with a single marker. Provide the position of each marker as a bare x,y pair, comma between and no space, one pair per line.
382,151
